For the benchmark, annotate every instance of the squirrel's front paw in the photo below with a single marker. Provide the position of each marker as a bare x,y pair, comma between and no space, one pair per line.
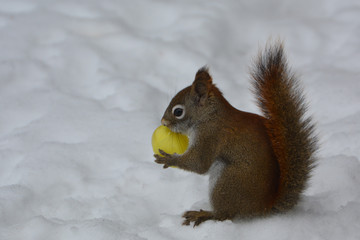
167,159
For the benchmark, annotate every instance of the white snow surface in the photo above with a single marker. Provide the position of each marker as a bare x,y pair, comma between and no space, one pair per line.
84,84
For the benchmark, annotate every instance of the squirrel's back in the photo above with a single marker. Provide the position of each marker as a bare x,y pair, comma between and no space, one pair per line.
290,130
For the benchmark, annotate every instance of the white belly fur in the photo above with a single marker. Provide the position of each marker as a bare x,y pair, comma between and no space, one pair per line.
215,172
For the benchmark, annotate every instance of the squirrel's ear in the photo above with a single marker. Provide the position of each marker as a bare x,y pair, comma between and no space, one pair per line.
201,85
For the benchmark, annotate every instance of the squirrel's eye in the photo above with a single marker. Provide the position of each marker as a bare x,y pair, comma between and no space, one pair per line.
179,111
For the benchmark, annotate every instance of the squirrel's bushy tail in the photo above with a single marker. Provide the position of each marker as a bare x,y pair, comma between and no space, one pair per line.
291,132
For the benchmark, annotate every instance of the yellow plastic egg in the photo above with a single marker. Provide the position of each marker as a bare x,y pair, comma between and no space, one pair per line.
170,142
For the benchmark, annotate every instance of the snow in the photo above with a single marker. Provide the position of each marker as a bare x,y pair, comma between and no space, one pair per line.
85,83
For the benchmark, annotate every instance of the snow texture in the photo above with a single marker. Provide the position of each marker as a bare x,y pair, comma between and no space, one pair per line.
84,84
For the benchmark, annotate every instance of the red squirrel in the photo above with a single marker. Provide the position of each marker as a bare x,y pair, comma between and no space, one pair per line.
258,165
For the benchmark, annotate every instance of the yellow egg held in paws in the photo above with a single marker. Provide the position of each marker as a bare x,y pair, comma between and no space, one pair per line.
170,142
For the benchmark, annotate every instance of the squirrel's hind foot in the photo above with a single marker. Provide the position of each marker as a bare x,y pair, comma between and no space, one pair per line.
197,217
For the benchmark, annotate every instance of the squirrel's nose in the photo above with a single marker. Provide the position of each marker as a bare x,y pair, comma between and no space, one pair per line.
164,122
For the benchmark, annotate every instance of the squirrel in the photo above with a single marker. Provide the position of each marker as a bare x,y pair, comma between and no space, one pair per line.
257,165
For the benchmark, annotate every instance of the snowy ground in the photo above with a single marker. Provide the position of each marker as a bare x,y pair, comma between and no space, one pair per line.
84,84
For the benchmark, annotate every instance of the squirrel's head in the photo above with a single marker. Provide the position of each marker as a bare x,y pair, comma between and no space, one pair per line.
193,105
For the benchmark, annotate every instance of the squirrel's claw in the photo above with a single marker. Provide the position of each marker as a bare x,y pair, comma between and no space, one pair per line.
164,159
197,217
164,153
160,160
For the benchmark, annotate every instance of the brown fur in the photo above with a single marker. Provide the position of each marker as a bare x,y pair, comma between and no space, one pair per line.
266,160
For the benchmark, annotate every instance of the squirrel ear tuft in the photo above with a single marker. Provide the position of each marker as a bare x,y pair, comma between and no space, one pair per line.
201,85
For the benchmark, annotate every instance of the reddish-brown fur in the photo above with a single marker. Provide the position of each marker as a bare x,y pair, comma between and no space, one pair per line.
265,161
